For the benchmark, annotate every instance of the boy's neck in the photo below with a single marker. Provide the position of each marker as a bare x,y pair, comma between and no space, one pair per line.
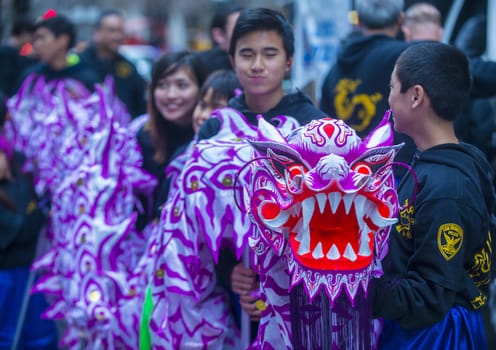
262,104
59,63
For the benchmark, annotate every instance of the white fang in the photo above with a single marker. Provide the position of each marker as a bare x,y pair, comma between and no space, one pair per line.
333,253
317,252
349,253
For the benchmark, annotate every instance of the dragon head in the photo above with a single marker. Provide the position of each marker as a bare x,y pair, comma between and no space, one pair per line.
330,194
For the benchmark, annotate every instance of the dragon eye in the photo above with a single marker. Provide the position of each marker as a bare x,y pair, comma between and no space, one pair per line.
362,168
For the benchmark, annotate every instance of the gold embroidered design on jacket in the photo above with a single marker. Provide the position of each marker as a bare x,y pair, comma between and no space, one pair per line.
481,269
362,105
404,227
449,240
123,69
479,301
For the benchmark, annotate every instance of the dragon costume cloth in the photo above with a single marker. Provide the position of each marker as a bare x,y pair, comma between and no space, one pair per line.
323,200
320,204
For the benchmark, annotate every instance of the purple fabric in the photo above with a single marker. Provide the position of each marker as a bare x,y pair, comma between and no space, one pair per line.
82,154
191,309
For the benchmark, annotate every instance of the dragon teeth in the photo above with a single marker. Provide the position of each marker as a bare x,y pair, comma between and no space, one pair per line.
304,237
298,228
334,199
307,207
349,253
321,200
317,252
348,201
360,208
364,249
333,253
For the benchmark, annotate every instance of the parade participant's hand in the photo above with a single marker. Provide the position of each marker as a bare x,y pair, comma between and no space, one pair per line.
251,305
5,173
243,279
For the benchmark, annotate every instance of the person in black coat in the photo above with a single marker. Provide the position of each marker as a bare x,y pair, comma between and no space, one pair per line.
104,58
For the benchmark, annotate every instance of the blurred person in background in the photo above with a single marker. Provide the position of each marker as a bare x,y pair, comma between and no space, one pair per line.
103,56
54,37
221,28
356,88
216,91
422,22
16,54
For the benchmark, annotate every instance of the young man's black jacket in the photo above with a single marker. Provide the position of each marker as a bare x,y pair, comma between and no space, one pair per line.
356,89
452,190
177,140
130,87
79,71
20,221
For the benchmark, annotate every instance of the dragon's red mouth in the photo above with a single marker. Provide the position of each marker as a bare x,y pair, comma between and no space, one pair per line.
331,231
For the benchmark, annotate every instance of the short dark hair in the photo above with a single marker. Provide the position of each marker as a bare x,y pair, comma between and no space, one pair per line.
59,25
223,83
22,25
260,19
442,70
106,13
379,14
219,20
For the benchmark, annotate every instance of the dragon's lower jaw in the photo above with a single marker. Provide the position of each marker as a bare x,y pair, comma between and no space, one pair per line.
334,251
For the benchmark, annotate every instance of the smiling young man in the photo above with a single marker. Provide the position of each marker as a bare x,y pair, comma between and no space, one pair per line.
261,51
439,259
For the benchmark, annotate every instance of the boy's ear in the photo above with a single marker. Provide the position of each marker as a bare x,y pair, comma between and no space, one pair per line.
231,59
289,63
218,36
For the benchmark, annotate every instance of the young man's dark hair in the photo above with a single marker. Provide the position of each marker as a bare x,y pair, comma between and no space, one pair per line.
219,20
444,73
22,25
59,25
106,13
259,19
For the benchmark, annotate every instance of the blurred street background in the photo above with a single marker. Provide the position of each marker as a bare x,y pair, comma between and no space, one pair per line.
155,26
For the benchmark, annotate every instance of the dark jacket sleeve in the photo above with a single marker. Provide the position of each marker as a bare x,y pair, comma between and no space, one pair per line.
209,129
19,228
325,96
484,78
431,284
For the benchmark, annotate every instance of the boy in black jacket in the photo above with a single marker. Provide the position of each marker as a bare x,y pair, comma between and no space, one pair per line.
439,256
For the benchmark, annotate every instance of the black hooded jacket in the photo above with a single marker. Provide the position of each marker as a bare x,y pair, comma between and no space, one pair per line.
356,89
440,249
129,85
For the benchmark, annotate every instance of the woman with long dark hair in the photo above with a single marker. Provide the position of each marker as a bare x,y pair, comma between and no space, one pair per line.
173,93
